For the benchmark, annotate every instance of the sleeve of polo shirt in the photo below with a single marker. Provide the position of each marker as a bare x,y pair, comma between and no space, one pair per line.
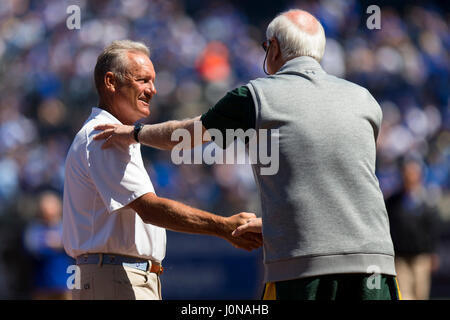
236,110
119,175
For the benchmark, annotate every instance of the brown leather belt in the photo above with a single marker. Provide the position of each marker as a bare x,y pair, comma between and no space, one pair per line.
156,268
115,259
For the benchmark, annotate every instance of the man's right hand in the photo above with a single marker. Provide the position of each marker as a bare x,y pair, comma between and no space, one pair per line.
253,225
247,241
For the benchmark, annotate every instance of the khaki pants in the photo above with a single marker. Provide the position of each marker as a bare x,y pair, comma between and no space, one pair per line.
115,282
414,276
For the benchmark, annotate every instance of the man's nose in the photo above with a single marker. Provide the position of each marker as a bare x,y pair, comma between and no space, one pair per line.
151,89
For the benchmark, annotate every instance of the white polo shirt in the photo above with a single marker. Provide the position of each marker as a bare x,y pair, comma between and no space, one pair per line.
98,186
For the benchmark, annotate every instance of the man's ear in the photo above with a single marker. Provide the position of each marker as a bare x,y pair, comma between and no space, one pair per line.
276,49
110,81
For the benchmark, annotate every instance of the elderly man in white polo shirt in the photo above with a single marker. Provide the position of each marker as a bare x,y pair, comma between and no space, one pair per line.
113,221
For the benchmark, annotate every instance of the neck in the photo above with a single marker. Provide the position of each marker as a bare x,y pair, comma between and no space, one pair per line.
107,105
104,104
279,64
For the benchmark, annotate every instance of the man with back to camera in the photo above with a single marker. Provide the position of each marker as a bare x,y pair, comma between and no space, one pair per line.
324,222
113,223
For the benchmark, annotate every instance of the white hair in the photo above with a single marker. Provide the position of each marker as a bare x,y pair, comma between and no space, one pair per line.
295,42
114,59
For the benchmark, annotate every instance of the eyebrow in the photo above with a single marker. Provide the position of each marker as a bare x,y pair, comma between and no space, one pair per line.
145,77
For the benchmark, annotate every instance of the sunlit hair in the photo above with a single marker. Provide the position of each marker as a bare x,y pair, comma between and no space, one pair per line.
114,59
295,42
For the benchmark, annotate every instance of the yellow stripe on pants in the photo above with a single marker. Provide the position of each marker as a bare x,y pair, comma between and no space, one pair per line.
398,289
270,291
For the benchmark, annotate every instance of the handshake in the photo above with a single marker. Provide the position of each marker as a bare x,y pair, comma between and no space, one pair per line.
247,231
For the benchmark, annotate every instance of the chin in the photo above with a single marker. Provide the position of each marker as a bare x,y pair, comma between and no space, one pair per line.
146,113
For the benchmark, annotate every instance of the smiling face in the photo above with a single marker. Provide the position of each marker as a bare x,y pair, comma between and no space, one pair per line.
132,98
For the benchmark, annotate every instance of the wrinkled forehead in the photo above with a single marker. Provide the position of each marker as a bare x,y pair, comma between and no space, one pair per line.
305,21
139,64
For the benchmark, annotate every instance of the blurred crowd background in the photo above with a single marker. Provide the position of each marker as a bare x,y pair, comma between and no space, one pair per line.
201,49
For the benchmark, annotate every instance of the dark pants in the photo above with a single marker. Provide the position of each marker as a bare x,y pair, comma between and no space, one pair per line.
335,287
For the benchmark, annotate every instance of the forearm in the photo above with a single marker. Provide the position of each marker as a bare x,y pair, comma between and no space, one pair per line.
162,136
175,216
165,136
159,135
179,217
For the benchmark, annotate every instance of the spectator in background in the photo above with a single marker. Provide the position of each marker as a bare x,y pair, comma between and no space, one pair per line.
414,230
43,239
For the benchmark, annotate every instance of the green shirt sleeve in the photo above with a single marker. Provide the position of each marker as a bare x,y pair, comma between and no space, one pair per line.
236,110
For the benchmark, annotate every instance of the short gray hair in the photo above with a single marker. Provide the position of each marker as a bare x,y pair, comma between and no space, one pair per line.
295,42
114,59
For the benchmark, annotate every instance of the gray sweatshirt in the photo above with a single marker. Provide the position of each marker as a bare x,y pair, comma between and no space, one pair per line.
323,211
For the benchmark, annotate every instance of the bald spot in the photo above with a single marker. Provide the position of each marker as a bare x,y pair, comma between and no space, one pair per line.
304,21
